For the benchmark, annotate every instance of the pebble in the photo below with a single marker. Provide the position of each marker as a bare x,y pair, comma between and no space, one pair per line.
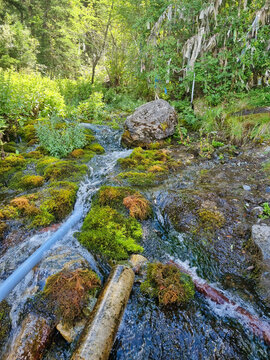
246,187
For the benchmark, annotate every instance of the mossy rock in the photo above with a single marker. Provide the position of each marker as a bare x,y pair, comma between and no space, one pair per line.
24,206
123,199
211,218
45,162
32,181
10,147
3,228
141,160
5,322
107,232
77,153
61,202
65,170
138,178
9,166
29,132
96,148
33,155
168,284
8,212
66,294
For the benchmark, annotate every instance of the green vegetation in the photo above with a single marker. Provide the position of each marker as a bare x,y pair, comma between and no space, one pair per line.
67,293
60,137
123,199
168,284
107,232
211,218
5,322
266,211
148,166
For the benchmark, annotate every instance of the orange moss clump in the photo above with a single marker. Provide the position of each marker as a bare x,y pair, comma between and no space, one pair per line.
23,205
77,153
168,284
67,292
138,206
157,169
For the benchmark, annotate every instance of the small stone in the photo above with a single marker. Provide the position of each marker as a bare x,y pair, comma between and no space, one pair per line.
137,260
261,236
70,333
246,187
257,211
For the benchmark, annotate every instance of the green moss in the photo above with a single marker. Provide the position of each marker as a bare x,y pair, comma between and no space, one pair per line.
211,218
33,155
3,228
67,292
77,153
123,199
65,170
109,233
43,219
5,322
32,181
10,147
8,212
168,284
60,202
29,132
97,148
139,179
44,162
144,159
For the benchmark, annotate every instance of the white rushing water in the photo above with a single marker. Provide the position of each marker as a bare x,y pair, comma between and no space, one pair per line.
67,249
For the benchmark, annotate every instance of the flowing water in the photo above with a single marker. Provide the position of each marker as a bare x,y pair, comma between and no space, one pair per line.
201,330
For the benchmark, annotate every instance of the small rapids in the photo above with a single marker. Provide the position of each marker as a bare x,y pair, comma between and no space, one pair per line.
201,330
67,248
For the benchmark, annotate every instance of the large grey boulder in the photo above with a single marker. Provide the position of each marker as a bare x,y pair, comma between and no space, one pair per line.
261,236
151,122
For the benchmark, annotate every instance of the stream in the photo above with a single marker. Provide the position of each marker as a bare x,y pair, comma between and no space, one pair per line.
202,329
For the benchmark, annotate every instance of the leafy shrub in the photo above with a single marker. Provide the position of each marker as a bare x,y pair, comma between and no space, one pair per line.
92,108
107,232
60,137
75,91
25,96
168,284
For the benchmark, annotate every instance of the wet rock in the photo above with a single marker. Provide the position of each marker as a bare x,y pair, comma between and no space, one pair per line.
34,337
98,336
137,260
261,236
151,122
70,333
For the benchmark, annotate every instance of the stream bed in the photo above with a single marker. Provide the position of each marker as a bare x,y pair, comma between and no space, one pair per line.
223,256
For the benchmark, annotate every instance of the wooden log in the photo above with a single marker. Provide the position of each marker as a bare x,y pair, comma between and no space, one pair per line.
98,336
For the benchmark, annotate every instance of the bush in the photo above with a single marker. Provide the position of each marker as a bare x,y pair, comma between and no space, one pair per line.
92,108
60,137
24,96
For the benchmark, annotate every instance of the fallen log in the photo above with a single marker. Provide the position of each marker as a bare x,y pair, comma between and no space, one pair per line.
98,336
258,326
